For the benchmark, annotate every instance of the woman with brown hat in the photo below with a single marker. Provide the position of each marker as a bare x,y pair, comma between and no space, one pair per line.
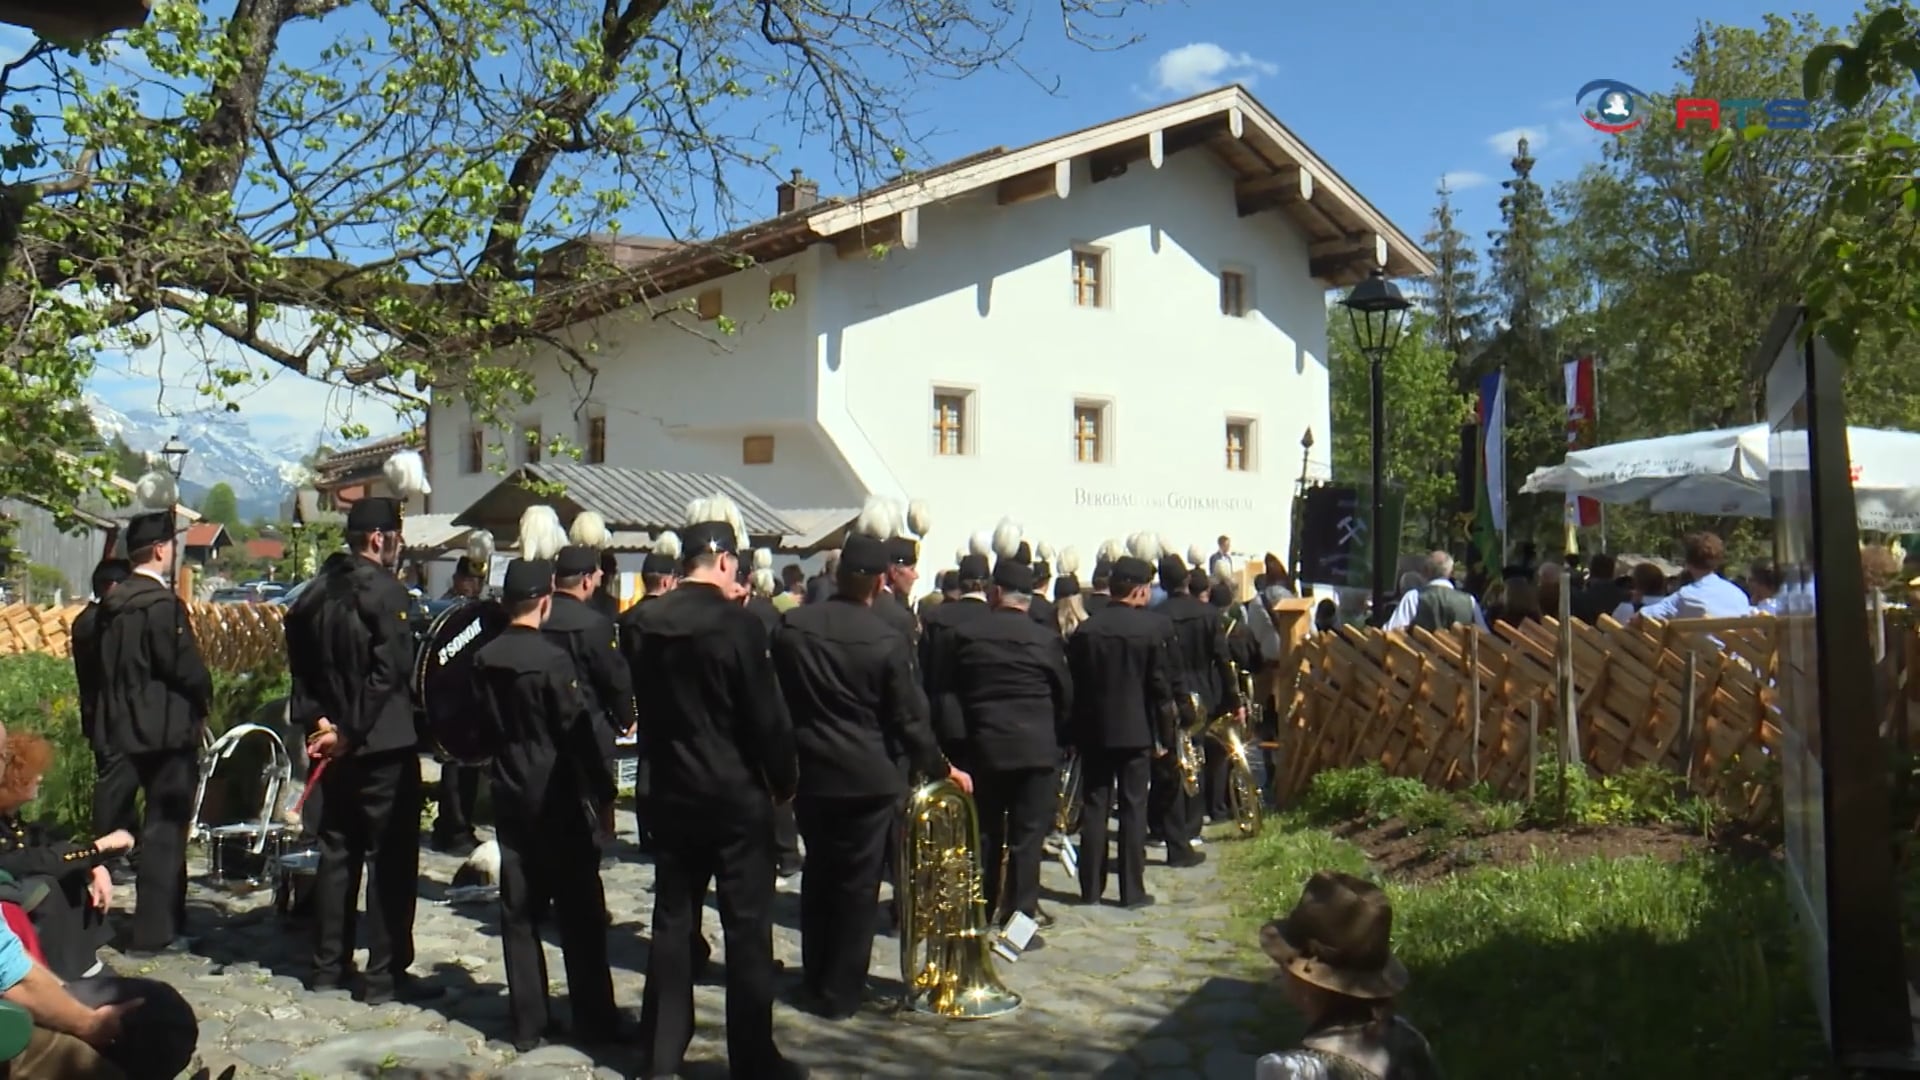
1336,962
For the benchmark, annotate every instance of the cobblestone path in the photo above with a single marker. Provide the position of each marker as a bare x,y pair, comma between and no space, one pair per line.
1169,991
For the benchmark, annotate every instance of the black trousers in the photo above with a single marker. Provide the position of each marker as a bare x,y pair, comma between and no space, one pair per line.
731,847
114,787
71,929
554,868
372,815
786,839
168,778
847,842
1175,812
1016,814
1106,770
1215,784
459,791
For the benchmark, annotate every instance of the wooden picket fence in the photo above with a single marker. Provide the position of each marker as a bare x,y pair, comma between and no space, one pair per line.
1469,706
234,638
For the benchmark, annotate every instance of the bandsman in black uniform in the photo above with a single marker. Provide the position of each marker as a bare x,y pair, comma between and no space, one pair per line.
761,586
860,724
549,771
351,654
1102,578
590,640
1123,721
1016,699
659,573
459,787
1200,661
114,782
1040,608
936,640
717,754
153,702
881,520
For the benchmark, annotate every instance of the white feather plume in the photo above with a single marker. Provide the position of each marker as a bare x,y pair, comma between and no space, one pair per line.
541,536
1006,538
1167,547
1145,545
1112,551
1045,553
590,530
407,475
718,508
480,868
1223,573
1196,556
668,545
1068,563
959,554
762,582
919,519
479,552
762,559
879,519
156,491
980,543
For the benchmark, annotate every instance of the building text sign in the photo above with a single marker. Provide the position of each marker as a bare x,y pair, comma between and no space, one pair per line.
1094,498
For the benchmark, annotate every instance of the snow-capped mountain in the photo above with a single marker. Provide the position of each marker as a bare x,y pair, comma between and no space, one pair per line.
222,449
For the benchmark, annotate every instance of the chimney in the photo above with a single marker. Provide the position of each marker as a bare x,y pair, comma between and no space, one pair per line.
797,193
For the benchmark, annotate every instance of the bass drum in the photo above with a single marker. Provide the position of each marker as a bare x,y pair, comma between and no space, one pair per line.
444,684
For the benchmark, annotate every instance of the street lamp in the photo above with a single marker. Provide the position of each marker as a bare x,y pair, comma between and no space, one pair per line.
174,455
1378,313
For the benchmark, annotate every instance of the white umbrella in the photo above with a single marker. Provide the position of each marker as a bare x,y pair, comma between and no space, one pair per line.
1726,473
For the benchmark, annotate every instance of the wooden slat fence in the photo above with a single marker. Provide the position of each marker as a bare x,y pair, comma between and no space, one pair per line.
234,638
1468,706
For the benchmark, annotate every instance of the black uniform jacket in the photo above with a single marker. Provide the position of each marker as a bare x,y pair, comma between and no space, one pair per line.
936,664
1094,601
1200,652
156,688
88,676
859,718
1124,680
1010,676
713,732
763,609
543,727
893,610
590,641
1040,609
350,650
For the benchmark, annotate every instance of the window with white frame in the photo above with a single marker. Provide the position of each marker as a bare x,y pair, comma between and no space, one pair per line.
1089,432
952,422
1239,445
1090,285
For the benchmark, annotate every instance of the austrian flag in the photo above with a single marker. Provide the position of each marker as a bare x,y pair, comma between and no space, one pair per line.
1582,414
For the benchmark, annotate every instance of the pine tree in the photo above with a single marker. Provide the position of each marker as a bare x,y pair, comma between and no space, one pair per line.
1458,302
1517,251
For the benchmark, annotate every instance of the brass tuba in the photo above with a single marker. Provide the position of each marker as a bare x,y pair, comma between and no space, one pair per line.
946,959
1066,806
1186,745
1243,792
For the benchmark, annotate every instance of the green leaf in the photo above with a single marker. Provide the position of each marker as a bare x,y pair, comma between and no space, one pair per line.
1813,73
1719,152
1854,81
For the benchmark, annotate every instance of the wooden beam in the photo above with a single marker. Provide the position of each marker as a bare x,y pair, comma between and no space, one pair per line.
1228,124
898,230
1055,180
1114,160
1347,260
1287,186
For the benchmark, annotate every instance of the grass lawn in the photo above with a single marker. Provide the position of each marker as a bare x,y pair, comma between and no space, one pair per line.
1542,960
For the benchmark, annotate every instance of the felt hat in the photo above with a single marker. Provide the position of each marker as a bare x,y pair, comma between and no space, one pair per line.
1339,938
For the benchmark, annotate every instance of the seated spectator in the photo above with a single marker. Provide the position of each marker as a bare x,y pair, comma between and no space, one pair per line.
1337,968
1703,593
94,1029
1763,587
1603,594
1646,585
1433,603
1522,602
71,920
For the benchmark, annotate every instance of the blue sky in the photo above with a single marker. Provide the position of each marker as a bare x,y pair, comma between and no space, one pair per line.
1393,95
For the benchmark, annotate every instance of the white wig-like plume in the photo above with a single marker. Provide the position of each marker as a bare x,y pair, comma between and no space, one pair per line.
668,545
407,475
879,519
980,543
541,536
155,492
590,531
1196,555
1006,538
762,559
479,552
1045,553
919,519
1068,564
1145,545
761,580
1167,546
1112,552
717,508
1223,573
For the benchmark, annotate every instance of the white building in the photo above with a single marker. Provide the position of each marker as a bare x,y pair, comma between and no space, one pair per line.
1120,329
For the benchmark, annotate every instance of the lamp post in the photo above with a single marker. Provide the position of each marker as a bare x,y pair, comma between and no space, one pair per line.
1377,311
174,455
295,527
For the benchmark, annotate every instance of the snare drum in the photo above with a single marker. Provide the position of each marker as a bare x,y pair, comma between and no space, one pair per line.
232,862
293,878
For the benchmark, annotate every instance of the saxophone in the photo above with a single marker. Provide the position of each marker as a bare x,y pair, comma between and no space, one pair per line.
946,957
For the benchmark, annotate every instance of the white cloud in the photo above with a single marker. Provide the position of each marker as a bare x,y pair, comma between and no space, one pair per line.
169,372
1505,143
1202,66
1463,179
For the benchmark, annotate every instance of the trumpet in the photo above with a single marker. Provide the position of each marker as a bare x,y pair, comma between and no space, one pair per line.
946,960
